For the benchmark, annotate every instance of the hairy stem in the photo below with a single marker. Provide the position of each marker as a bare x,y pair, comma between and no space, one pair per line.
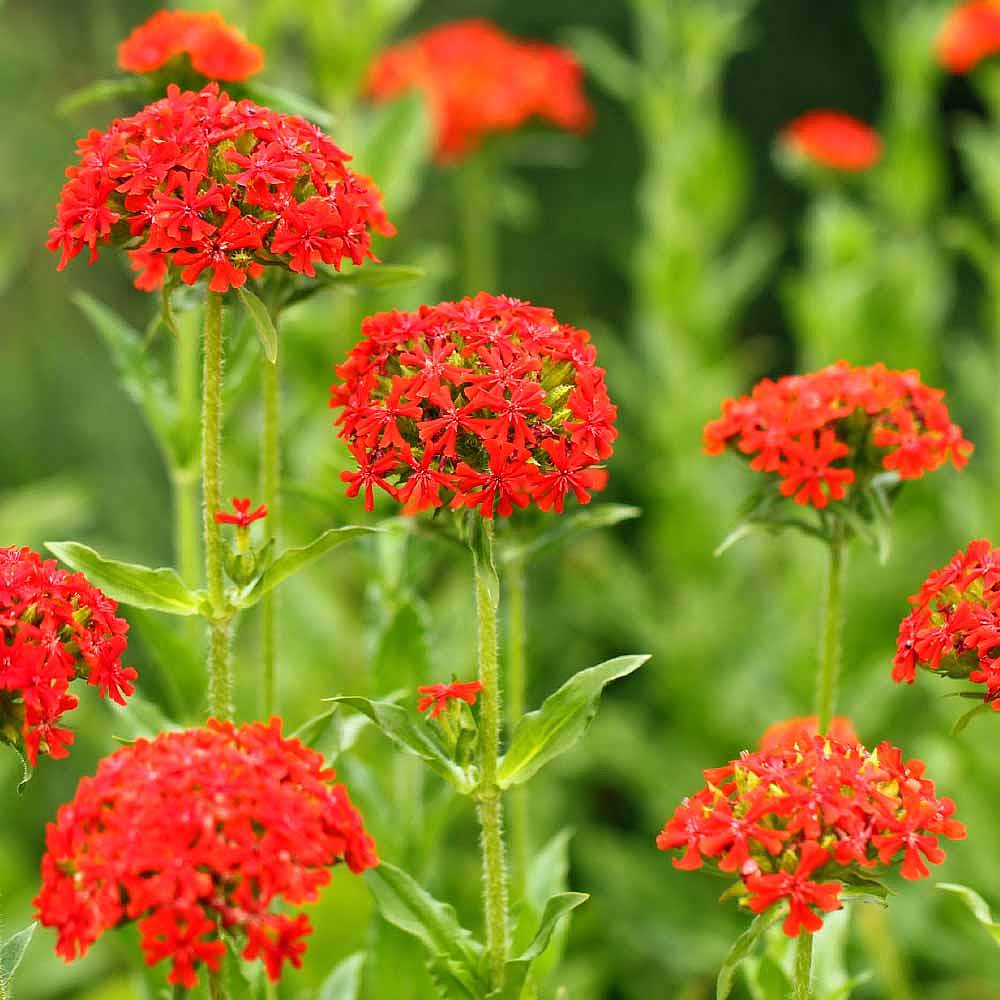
802,984
271,487
833,626
516,586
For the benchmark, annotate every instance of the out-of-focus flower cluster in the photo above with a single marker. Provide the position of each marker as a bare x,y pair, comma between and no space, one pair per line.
824,431
478,80
490,403
54,627
833,139
199,182
798,821
970,34
197,835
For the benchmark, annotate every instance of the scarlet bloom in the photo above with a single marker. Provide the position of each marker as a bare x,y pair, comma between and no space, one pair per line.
488,403
54,628
478,80
204,184
807,814
833,139
792,731
970,34
438,696
244,516
823,432
216,50
194,834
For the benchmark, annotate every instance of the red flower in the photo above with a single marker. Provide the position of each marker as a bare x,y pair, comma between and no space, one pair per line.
821,432
195,833
244,516
833,139
437,696
54,628
489,400
806,805
216,50
478,80
201,182
970,34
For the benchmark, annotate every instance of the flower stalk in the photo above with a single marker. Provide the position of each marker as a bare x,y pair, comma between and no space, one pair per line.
271,489
802,986
828,680
516,677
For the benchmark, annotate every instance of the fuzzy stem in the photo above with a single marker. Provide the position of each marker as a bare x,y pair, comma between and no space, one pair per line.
490,807
271,488
833,626
220,676
477,207
516,685
802,985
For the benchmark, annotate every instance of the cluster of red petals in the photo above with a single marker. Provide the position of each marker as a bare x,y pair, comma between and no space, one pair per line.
489,402
796,822
198,832
437,697
477,79
970,34
803,728
199,182
834,139
955,622
54,627
818,431
217,50
244,516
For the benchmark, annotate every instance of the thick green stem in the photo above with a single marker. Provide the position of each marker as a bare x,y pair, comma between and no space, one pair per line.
477,197
833,626
271,488
220,676
802,984
516,586
490,806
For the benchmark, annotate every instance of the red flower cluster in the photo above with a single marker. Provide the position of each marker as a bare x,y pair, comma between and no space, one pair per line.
833,139
217,51
970,34
244,516
201,182
438,696
797,822
54,627
490,400
478,79
804,728
198,832
955,622
821,432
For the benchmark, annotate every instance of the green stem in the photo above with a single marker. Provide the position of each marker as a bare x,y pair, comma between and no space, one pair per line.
490,806
185,478
220,676
271,487
514,577
217,989
476,200
889,962
802,985
833,627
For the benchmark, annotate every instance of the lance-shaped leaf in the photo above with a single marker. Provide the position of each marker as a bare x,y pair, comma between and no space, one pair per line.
262,322
516,971
27,773
138,586
570,527
412,909
375,276
344,982
415,735
12,951
103,90
561,721
292,560
288,101
977,905
743,946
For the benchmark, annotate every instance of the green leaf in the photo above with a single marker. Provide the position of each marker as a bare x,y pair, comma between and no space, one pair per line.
371,276
27,773
569,527
344,982
102,90
292,560
139,586
613,69
963,720
12,951
282,99
563,718
402,657
415,735
765,979
263,324
743,946
977,905
141,719
411,908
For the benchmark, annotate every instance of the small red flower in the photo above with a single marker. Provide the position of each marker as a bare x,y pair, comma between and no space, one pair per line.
801,893
970,34
479,80
437,696
803,729
244,516
194,834
216,50
833,139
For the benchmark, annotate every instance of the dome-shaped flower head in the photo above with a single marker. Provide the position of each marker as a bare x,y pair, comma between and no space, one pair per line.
834,140
796,822
487,403
201,183
970,34
195,833
54,627
825,433
954,627
200,41
478,80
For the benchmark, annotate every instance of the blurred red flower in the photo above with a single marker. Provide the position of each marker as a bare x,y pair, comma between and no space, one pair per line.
833,139
803,728
970,33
